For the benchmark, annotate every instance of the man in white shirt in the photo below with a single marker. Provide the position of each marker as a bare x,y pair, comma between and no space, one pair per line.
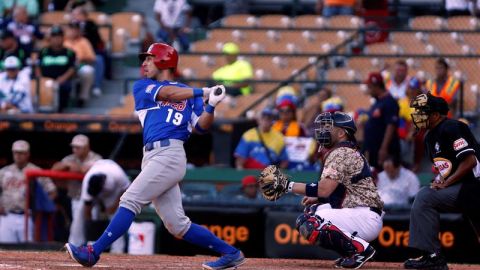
174,18
102,187
14,88
398,83
397,185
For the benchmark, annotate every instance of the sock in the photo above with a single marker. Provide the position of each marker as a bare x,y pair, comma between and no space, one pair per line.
119,225
201,236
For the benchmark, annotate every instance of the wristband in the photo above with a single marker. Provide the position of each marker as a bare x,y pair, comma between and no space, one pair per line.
197,92
209,108
311,190
290,186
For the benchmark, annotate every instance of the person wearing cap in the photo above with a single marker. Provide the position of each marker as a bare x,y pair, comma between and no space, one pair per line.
380,131
444,85
261,146
454,152
25,31
80,161
85,57
250,188
235,73
57,62
9,46
14,88
174,18
102,186
12,194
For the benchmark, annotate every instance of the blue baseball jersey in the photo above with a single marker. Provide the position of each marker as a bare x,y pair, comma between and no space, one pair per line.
164,119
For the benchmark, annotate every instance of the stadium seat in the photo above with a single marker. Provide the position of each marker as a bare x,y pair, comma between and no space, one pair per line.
127,109
100,18
353,96
199,66
473,41
462,23
231,190
207,46
384,48
131,22
345,22
471,96
46,97
469,67
274,21
412,43
341,74
444,43
427,22
365,63
309,21
240,20
54,17
272,68
119,42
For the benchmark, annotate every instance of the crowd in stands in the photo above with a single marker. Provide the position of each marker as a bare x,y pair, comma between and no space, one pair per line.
72,55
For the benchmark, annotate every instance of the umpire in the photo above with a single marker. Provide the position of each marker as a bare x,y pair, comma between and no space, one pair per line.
454,152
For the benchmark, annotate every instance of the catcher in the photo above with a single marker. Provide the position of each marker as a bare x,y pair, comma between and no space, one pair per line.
353,216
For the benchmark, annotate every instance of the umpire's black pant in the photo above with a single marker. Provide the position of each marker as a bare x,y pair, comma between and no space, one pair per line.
425,216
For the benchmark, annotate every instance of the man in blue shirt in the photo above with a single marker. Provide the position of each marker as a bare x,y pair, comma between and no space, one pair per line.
381,138
169,112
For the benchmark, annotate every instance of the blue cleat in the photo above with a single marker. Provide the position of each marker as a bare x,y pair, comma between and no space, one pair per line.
84,255
226,261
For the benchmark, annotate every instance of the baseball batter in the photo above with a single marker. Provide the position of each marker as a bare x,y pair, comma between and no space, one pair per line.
102,187
168,112
353,216
12,199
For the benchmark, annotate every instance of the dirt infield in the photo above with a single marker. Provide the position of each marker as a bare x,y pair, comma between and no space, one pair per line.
60,260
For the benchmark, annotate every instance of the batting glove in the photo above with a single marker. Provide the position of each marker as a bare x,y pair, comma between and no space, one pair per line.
216,95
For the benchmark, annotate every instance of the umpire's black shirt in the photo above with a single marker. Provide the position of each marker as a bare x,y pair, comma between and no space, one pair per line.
447,145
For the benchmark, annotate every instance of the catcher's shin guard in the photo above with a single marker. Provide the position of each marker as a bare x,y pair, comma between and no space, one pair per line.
323,233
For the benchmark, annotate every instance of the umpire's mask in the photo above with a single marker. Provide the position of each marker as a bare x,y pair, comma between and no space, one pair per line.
325,123
424,105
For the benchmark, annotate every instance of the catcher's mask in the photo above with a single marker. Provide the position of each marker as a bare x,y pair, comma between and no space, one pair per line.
325,123
424,105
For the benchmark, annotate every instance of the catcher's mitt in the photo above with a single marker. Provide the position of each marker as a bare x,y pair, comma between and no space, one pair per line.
273,183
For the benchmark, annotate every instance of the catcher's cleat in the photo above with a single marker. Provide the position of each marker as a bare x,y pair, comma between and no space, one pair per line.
432,261
338,262
227,261
84,255
357,260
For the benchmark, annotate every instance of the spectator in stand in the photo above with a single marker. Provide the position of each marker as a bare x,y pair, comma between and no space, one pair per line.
174,18
7,7
249,188
102,187
444,85
14,88
57,62
397,185
235,73
411,144
458,7
12,195
329,8
25,32
9,46
231,7
397,86
313,107
85,57
89,30
261,146
381,137
80,161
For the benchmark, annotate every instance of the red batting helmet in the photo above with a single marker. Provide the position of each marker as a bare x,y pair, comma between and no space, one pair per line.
165,55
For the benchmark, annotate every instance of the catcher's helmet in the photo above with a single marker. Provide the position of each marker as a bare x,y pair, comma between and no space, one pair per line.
165,55
325,122
424,105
